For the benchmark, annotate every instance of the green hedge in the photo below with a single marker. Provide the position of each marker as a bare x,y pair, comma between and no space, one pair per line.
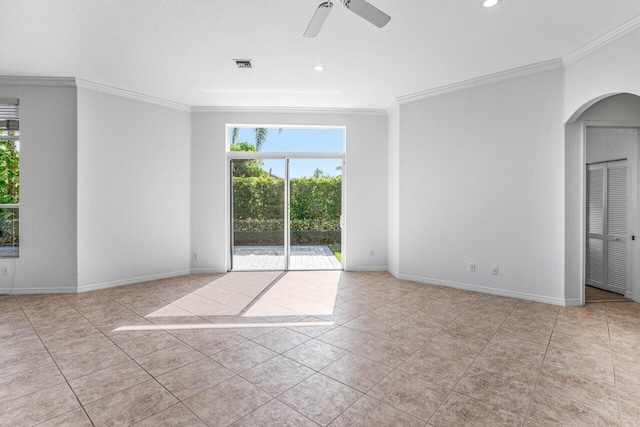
258,198
258,206
262,232
276,238
278,224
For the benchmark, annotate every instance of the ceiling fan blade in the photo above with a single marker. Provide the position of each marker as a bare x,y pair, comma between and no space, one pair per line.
318,19
368,12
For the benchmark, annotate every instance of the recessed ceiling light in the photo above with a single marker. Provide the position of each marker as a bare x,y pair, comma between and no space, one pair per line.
489,3
318,67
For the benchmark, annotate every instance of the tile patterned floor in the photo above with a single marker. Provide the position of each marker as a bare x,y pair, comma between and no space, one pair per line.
314,348
251,258
592,294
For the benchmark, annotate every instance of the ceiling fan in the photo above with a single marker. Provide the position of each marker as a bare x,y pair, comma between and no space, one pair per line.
359,7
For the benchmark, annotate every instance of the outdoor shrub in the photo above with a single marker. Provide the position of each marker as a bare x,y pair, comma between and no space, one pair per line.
258,206
263,198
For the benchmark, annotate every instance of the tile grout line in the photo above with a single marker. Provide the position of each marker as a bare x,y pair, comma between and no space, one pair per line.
180,402
613,364
136,362
393,369
470,365
332,379
351,352
59,370
38,309
293,386
235,374
396,368
535,386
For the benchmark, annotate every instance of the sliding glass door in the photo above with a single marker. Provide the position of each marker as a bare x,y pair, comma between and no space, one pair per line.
286,213
315,210
258,214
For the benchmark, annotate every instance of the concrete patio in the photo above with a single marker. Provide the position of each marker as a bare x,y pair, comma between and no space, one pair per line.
317,257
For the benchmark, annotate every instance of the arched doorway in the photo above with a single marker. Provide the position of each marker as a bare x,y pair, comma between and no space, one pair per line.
604,130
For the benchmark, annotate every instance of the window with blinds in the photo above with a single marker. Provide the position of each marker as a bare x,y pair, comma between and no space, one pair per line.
9,178
9,115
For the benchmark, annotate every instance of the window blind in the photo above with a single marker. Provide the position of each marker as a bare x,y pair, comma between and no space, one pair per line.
9,114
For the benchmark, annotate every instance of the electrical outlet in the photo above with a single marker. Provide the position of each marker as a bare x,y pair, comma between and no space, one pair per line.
371,253
195,256
5,270
494,271
472,268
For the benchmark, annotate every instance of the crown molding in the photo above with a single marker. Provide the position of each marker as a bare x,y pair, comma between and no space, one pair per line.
37,81
484,80
392,108
602,41
99,87
291,110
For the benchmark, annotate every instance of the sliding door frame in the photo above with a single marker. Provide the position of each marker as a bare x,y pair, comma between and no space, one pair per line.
250,155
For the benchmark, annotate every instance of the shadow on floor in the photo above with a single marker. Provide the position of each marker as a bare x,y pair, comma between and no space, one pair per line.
598,295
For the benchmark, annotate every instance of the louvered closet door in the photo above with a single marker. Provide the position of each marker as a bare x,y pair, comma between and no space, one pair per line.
617,212
595,225
607,226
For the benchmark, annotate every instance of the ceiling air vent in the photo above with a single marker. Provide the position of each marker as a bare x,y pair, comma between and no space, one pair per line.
243,63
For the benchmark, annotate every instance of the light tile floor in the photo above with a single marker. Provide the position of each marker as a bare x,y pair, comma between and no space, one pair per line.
592,294
314,348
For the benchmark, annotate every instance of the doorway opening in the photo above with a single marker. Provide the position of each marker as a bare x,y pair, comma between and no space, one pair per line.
610,208
286,207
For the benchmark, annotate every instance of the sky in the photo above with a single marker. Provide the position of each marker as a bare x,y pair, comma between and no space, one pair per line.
299,140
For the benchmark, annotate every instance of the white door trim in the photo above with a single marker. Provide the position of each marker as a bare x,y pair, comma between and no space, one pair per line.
634,225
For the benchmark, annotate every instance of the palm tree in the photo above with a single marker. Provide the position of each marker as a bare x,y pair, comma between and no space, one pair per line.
261,136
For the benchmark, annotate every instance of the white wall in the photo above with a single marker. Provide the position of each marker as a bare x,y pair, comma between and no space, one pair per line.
606,144
618,108
481,181
624,108
48,161
574,213
365,177
134,201
393,166
611,69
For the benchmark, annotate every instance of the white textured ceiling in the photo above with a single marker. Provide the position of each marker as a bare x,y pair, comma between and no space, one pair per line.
182,50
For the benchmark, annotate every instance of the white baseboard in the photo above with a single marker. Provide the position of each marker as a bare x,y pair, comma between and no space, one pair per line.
367,268
457,285
207,271
573,302
27,291
486,290
131,281
393,272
